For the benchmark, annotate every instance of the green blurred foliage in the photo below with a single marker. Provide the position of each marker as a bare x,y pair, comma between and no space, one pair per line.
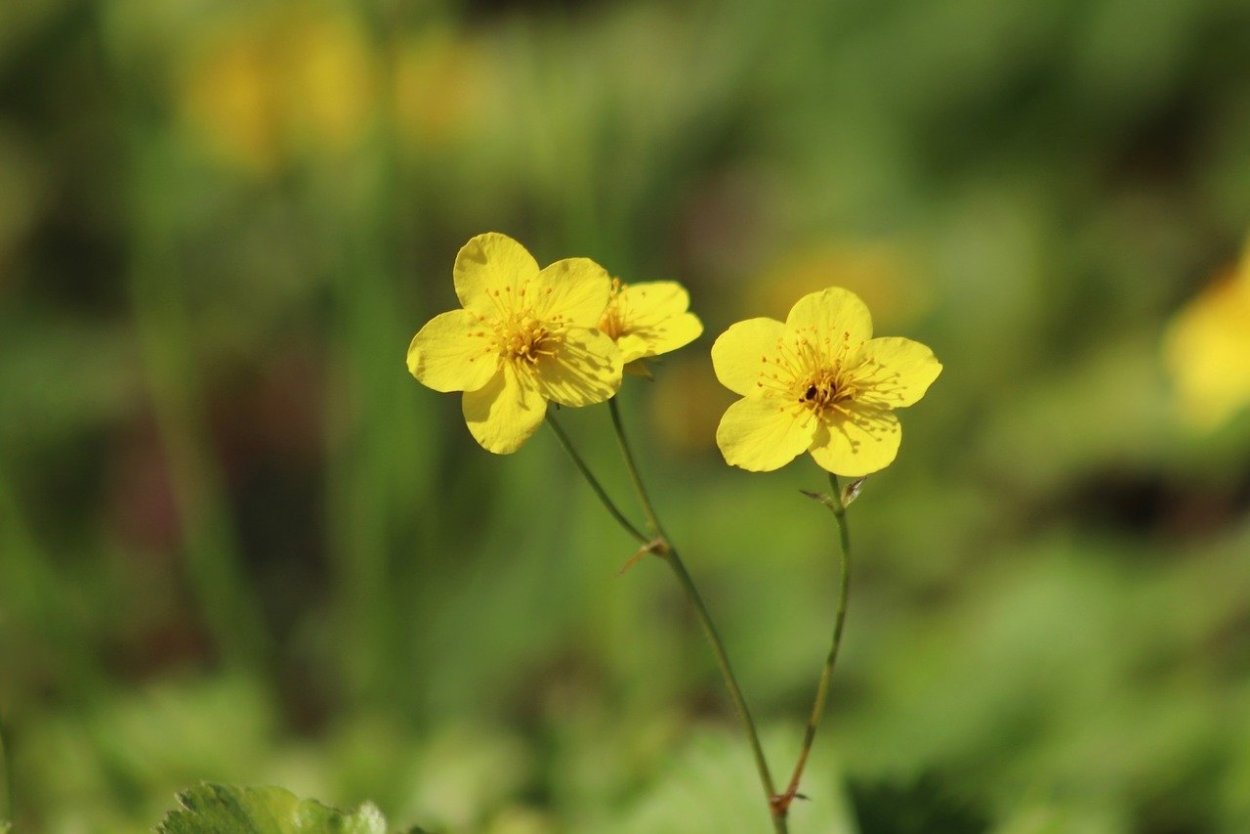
238,543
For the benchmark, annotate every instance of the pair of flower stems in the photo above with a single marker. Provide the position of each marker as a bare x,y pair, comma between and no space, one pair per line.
656,542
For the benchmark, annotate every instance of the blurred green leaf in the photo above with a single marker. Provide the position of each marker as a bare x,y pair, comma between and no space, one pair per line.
226,809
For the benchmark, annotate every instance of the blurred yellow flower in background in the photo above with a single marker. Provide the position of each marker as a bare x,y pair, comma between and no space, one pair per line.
440,83
879,272
648,319
1207,351
820,383
278,80
525,337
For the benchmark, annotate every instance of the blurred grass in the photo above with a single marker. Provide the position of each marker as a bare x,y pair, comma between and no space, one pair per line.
239,543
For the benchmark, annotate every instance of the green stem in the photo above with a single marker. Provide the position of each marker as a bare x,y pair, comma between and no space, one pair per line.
731,683
607,502
822,689
6,781
648,510
670,555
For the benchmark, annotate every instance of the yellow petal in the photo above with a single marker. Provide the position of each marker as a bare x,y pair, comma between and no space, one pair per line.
835,318
650,302
764,434
1207,351
575,290
741,354
655,318
858,443
451,353
674,333
585,369
490,267
895,372
505,412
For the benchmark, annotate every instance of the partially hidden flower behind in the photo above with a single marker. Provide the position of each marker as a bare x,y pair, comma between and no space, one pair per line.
648,319
1207,351
818,383
526,337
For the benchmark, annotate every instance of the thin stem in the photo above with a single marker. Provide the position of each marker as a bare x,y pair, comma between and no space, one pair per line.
731,683
6,782
647,509
593,481
670,555
822,690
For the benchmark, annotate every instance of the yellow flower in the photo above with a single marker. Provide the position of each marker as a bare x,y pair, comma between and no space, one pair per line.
820,383
648,319
1207,351
273,81
525,337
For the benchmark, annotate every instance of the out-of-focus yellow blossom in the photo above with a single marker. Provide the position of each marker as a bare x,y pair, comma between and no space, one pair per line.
648,319
820,383
1207,351
329,83
525,337
685,405
440,81
878,272
280,80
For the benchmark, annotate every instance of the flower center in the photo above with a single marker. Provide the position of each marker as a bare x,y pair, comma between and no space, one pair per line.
823,392
810,372
523,338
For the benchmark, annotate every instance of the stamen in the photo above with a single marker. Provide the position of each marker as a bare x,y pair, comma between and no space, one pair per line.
522,338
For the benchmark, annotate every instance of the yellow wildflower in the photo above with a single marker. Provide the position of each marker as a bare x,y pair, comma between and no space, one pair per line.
273,81
441,85
1207,351
820,383
648,319
525,337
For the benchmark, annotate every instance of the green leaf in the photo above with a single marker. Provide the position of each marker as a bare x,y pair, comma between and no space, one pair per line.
226,809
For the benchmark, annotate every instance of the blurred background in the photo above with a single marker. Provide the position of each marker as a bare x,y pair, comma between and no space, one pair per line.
239,543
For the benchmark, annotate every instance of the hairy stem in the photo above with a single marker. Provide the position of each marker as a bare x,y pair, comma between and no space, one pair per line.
669,553
838,509
607,502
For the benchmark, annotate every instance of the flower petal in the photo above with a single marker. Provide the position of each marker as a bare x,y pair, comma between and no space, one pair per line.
764,434
740,354
649,302
573,291
451,353
656,319
858,443
505,412
488,265
586,369
895,372
1207,352
834,317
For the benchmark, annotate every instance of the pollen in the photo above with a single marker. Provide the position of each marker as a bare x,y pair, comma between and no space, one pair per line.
524,339
823,392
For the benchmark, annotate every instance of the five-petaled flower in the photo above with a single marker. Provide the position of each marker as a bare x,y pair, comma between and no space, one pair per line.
820,383
526,336
648,319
